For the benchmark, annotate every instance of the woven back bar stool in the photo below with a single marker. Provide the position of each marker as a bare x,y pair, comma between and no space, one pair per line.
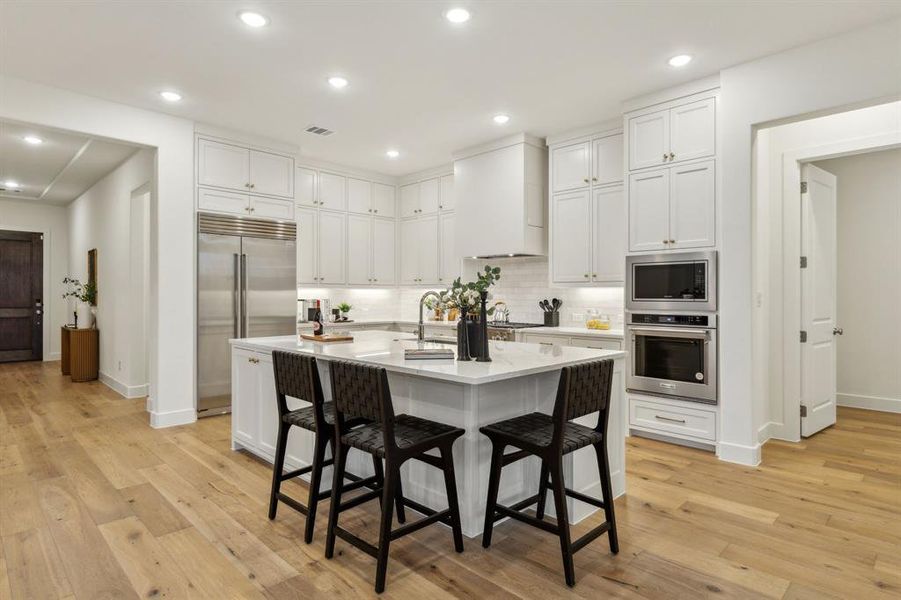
297,375
583,389
361,392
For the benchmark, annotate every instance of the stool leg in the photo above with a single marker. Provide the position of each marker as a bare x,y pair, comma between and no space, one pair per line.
607,489
562,521
315,483
399,500
337,487
542,491
388,492
494,480
278,467
450,484
379,475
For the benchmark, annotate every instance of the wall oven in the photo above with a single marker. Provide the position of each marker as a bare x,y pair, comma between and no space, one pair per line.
673,355
683,281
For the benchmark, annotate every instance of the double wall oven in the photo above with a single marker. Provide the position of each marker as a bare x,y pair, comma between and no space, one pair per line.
671,325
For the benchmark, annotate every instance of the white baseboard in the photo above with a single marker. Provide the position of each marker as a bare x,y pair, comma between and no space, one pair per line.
766,431
53,356
128,391
892,405
739,453
159,420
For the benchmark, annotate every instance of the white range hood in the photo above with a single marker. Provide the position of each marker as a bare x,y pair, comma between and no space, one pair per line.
500,192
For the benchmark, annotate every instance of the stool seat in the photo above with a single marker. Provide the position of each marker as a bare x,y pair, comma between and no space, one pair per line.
409,432
305,418
535,431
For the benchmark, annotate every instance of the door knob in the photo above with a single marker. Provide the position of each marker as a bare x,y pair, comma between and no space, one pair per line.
837,331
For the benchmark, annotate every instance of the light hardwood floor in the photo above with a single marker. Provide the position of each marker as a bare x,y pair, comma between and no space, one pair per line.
96,504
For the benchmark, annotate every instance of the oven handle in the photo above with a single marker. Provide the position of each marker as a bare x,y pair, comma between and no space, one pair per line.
673,332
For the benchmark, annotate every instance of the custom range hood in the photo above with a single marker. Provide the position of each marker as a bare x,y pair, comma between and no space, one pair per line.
500,192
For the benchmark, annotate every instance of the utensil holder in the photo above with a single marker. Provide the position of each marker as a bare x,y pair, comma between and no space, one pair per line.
552,319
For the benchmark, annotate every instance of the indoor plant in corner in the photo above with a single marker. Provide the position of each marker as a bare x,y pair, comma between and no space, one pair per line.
468,298
86,295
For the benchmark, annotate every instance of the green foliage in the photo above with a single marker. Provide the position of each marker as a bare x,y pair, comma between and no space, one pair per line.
465,296
344,307
85,292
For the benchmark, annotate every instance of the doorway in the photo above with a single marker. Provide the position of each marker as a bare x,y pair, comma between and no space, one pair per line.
21,296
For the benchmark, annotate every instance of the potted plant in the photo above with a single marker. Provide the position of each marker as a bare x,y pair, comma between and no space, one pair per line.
85,294
469,299
344,308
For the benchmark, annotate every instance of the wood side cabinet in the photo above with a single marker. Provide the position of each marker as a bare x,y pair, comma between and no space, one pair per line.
80,353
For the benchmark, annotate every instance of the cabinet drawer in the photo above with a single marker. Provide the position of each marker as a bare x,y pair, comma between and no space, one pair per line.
222,201
545,340
270,208
667,418
597,343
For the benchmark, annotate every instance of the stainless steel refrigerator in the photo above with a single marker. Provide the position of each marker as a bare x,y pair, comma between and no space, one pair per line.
246,287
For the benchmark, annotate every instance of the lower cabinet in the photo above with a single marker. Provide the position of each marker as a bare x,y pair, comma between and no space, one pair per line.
688,421
597,342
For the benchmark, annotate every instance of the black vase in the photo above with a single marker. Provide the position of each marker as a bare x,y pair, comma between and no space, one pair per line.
463,337
483,355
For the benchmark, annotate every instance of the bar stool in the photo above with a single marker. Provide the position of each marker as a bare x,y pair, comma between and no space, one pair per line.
297,375
583,389
361,391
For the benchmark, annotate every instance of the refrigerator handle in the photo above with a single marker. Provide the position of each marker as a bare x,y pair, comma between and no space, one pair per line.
244,295
237,299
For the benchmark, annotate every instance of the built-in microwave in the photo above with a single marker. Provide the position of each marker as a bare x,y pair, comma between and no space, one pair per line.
683,281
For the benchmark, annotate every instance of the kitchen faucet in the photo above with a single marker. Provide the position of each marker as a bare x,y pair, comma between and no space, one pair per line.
421,330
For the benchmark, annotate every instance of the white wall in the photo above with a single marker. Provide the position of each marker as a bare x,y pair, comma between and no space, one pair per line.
869,278
172,224
52,221
101,218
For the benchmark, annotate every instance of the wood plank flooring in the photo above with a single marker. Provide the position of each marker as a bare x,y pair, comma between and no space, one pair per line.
96,504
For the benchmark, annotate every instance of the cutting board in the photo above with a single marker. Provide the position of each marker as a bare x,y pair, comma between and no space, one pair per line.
327,337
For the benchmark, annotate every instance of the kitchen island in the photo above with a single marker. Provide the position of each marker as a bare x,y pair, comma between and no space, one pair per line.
521,378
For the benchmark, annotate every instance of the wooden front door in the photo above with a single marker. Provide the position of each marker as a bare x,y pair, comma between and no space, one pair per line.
21,296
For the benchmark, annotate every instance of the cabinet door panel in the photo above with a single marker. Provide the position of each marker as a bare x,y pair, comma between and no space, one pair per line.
649,210
450,261
692,206
428,197
332,227
428,249
446,193
221,201
571,258
332,191
359,196
245,387
607,160
305,187
359,250
572,166
270,208
266,404
409,200
383,252
649,140
409,251
608,235
383,200
307,246
223,165
693,130
271,174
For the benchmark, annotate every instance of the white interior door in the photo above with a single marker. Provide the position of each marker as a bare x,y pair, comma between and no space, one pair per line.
818,244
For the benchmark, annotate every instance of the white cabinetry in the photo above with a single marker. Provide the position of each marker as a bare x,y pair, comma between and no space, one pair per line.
245,384
419,198
370,251
359,196
209,199
608,235
682,132
450,261
419,250
571,167
383,200
446,201
331,251
384,243
332,191
571,237
307,246
236,167
305,187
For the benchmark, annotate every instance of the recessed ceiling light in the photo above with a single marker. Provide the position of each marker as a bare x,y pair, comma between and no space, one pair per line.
457,15
10,183
337,82
392,153
680,60
170,96
33,140
253,19
501,119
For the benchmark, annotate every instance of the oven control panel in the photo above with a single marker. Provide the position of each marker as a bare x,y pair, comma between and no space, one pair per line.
658,319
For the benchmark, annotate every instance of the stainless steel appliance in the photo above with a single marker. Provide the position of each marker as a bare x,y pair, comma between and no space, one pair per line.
246,287
683,281
505,331
673,355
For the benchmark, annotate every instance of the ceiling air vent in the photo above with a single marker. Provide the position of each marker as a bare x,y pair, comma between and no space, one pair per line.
317,130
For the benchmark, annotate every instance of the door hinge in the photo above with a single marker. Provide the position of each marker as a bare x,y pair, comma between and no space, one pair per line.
803,337
803,411
803,187
803,262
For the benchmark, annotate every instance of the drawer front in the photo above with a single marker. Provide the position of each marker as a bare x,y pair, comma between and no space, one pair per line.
545,340
221,201
700,424
596,343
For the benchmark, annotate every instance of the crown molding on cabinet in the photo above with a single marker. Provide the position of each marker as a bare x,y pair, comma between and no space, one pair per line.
250,140
446,169
672,94
606,127
499,144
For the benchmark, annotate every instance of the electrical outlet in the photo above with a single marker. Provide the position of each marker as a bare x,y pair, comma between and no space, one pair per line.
578,317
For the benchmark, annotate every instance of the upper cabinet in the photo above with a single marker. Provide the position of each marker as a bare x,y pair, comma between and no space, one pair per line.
305,187
420,198
239,168
383,200
607,160
683,132
332,191
592,161
446,193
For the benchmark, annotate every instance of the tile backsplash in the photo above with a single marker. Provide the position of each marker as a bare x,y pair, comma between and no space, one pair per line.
523,282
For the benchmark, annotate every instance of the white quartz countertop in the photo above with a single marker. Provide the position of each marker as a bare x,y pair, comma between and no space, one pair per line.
386,349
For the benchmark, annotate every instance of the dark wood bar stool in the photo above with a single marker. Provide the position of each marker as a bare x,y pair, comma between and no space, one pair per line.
583,389
361,392
297,375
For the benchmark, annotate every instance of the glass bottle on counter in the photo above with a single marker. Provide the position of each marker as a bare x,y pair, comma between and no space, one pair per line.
317,320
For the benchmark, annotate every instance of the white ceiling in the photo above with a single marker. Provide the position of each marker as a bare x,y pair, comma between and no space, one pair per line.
60,169
417,83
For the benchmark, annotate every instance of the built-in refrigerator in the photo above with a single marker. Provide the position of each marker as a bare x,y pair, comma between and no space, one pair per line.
246,287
